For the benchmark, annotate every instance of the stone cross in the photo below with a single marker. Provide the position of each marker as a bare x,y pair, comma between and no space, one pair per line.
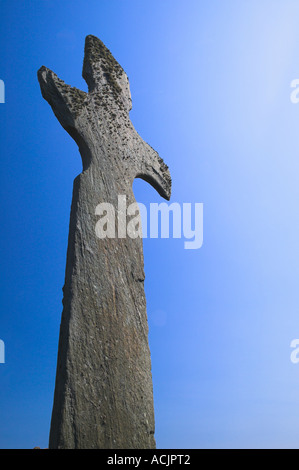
103,390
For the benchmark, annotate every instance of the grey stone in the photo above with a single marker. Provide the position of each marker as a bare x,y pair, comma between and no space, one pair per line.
103,391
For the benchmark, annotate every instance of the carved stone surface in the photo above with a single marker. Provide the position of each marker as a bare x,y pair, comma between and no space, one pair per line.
103,392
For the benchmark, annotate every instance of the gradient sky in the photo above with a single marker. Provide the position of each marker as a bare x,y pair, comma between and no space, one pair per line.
210,84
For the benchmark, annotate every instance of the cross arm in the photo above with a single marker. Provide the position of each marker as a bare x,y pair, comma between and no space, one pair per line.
66,101
153,170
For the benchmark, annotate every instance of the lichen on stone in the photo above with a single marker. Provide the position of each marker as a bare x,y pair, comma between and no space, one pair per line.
98,57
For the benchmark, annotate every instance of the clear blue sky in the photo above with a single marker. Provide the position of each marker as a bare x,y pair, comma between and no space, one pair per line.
210,83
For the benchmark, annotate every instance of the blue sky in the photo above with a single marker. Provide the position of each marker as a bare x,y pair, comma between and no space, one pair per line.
210,84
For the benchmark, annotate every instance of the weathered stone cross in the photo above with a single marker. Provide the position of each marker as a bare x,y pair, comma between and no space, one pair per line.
103,392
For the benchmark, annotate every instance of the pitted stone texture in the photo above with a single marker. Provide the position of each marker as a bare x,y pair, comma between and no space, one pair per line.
103,392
